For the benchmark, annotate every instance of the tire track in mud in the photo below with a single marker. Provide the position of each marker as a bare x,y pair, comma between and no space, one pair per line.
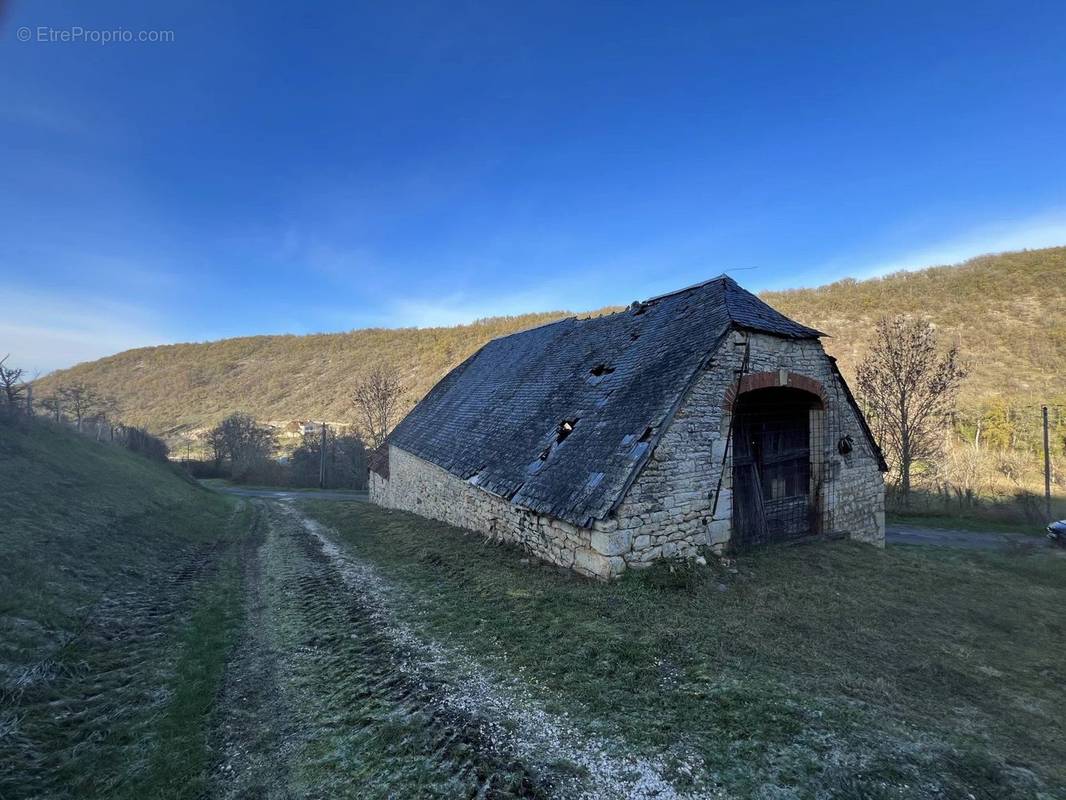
358,724
252,723
499,723
63,711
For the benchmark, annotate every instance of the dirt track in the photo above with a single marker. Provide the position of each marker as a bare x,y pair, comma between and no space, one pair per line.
314,674
330,694
345,495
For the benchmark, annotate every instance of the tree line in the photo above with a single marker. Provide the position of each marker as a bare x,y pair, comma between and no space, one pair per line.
907,382
245,450
77,405
239,447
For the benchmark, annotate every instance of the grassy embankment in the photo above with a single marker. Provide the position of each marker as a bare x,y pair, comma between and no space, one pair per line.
831,670
119,601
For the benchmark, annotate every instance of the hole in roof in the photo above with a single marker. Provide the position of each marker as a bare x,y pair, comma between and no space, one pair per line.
639,308
566,427
646,436
601,369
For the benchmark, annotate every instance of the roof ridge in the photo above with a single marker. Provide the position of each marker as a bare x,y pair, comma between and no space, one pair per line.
700,285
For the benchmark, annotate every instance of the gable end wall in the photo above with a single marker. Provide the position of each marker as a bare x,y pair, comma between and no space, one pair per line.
670,509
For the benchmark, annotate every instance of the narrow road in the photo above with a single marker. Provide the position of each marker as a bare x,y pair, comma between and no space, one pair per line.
347,495
320,700
967,540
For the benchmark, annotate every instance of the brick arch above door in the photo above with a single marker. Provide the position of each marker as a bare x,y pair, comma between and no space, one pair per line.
771,379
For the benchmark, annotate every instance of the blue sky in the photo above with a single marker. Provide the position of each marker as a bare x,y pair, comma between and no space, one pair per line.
277,168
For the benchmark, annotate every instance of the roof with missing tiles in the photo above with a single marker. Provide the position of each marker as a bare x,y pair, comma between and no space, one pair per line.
560,419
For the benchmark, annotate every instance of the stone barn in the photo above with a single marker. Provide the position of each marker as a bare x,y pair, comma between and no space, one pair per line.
701,418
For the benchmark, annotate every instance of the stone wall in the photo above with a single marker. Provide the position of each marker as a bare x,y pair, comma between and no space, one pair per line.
671,509
426,489
682,499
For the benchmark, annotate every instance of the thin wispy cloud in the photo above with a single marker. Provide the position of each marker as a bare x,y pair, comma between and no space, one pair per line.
460,308
44,331
1045,230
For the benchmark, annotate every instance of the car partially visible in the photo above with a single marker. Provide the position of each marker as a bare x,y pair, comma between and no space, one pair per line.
1056,532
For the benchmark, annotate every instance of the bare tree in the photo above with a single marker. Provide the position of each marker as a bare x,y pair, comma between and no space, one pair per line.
11,383
910,390
216,442
85,403
377,402
53,406
345,460
243,441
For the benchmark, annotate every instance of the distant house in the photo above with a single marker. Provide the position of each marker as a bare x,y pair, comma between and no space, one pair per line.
299,428
699,418
292,430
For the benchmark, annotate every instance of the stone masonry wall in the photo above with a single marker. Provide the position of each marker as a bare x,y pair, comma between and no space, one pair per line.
670,509
426,489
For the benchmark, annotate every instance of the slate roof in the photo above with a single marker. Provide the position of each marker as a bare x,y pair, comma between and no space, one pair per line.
561,418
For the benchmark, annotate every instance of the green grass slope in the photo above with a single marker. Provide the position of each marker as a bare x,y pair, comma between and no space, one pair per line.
119,598
1004,310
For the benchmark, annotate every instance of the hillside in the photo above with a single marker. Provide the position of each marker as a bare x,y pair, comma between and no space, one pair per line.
118,603
1004,310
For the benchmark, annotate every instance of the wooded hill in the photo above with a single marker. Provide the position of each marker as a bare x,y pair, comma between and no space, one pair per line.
1006,311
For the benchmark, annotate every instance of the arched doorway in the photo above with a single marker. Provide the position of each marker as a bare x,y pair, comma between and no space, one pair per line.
775,496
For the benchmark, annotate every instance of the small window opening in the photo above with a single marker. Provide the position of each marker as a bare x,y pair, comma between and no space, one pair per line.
601,369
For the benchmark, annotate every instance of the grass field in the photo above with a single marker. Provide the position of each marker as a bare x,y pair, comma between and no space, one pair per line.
159,640
832,670
117,610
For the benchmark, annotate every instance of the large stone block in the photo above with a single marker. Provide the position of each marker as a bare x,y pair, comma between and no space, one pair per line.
611,543
719,531
597,565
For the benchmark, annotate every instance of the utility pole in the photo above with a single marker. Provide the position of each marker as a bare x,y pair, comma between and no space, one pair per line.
1047,468
322,459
